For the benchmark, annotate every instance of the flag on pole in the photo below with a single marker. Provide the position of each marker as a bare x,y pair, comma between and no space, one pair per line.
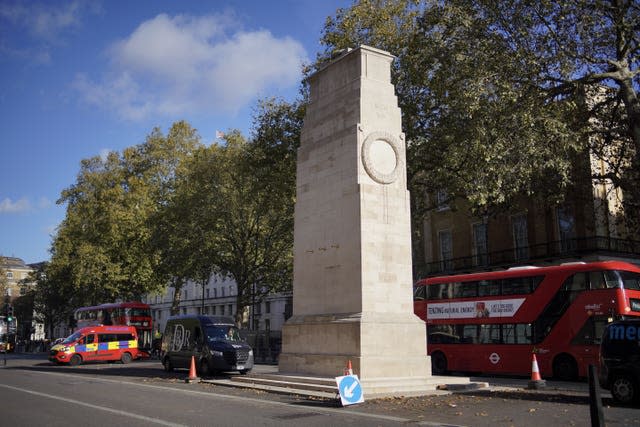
219,134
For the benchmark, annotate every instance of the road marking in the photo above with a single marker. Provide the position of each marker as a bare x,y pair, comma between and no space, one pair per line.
340,411
102,408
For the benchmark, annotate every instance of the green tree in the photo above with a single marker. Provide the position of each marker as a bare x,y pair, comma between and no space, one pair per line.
493,93
104,243
235,203
54,300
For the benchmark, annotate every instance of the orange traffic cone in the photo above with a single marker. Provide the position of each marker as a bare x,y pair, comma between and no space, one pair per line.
192,371
536,381
348,370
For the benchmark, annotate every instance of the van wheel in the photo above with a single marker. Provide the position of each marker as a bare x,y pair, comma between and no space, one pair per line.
126,358
204,368
75,360
565,368
168,367
438,363
624,389
244,371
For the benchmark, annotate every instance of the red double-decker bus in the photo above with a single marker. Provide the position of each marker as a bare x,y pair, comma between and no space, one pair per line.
131,313
491,322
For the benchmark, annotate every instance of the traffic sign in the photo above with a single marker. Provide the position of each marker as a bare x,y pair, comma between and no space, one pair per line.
350,389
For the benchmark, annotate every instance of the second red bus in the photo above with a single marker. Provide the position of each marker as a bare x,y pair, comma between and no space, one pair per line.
492,322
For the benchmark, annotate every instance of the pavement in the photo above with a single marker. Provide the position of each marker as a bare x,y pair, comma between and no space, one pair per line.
268,378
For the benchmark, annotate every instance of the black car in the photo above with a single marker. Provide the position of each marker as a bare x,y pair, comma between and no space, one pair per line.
620,361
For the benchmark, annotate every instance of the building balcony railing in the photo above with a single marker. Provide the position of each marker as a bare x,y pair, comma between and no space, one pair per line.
544,253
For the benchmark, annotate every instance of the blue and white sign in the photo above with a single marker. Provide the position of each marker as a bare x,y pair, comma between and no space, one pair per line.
350,390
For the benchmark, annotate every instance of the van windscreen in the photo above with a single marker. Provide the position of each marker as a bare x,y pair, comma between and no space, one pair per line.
222,333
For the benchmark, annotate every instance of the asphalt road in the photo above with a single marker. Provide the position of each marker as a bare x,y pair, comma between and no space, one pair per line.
35,392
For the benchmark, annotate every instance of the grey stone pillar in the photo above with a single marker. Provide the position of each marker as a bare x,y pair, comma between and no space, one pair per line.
352,288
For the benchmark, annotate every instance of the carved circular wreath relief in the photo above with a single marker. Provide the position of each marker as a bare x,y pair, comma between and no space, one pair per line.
381,157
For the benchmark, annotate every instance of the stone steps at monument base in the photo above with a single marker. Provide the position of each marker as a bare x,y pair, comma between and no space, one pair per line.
283,386
327,388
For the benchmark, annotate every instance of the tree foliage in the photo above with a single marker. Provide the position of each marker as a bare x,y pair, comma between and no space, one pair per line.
235,206
499,97
103,246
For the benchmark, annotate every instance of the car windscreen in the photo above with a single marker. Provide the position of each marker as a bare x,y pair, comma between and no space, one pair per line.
222,333
72,338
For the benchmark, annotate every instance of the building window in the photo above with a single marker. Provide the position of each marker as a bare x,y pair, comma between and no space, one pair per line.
186,295
207,292
442,200
520,237
215,292
213,310
230,310
222,291
566,229
9,274
480,247
267,307
184,310
267,325
23,290
445,241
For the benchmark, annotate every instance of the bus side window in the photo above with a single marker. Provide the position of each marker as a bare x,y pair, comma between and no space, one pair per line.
419,293
596,278
470,334
576,283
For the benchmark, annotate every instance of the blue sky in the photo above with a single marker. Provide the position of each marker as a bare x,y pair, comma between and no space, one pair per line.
81,78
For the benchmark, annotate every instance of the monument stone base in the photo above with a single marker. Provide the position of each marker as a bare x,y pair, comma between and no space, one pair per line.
377,345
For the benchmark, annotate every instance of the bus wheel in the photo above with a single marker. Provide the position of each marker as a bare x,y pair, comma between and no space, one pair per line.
125,358
565,368
438,363
204,368
168,367
76,359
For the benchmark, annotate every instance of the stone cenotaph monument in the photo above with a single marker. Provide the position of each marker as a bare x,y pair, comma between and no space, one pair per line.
352,279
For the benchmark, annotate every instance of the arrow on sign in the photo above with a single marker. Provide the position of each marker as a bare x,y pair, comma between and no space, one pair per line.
348,390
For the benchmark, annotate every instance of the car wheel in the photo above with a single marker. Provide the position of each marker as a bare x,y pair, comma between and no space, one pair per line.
565,368
75,360
624,389
244,371
126,358
204,368
438,363
168,367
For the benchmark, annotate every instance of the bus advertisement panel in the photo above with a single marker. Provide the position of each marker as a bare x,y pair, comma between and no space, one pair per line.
491,322
131,313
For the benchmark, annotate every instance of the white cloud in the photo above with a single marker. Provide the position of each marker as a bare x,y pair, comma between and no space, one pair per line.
9,206
183,64
44,23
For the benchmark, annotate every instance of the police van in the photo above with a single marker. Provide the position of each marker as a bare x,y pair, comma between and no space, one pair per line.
620,361
213,341
98,343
